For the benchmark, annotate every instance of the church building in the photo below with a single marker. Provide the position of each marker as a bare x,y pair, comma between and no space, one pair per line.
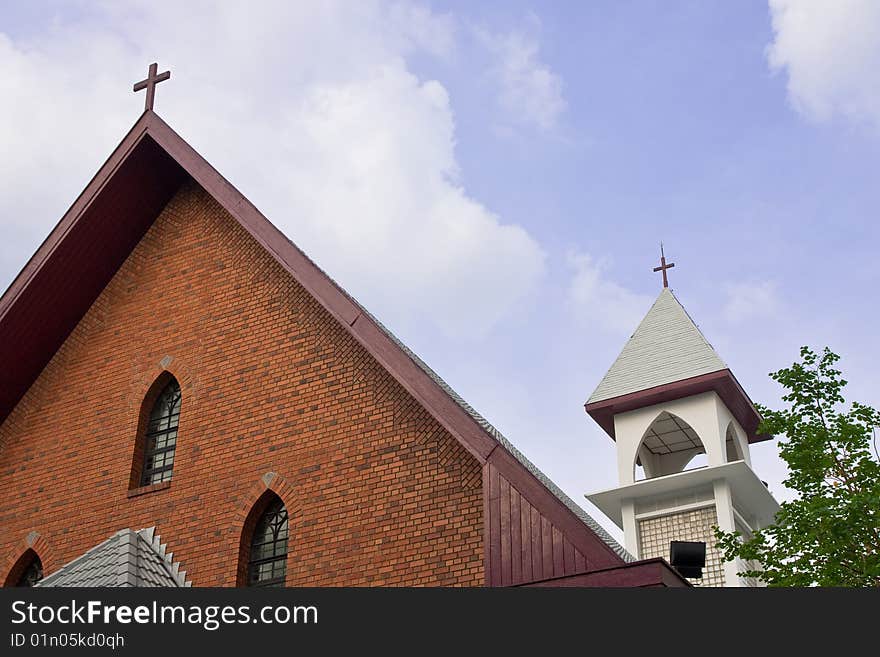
188,400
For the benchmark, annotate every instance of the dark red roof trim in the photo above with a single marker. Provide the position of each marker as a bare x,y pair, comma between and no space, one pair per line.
45,302
67,273
49,297
722,382
647,573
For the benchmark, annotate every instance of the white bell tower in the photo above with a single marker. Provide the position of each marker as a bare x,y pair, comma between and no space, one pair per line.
669,401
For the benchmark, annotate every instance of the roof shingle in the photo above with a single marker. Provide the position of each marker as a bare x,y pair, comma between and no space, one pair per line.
128,558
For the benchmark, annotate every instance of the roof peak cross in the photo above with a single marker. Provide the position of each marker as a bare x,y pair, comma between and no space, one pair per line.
150,84
663,266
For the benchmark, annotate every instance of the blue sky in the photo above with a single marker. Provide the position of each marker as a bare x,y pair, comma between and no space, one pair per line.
493,179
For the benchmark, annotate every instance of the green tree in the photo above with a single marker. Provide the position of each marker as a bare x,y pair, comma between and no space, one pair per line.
830,534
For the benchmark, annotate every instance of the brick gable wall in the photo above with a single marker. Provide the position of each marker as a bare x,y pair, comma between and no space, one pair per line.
276,394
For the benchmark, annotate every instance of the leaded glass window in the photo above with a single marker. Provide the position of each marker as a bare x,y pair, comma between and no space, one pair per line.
267,565
161,436
32,574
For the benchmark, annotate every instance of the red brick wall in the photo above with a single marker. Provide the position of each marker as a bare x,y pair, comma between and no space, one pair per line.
377,491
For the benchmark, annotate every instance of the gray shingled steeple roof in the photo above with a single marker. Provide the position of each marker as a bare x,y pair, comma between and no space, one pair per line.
128,558
666,347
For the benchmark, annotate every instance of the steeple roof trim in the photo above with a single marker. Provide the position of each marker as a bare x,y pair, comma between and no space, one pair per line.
666,347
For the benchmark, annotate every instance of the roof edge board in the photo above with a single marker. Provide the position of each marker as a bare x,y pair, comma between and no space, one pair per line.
70,217
746,413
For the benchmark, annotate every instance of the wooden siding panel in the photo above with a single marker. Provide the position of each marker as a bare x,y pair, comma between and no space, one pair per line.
599,553
558,562
537,546
494,527
524,545
516,553
547,547
506,567
526,538
568,557
580,564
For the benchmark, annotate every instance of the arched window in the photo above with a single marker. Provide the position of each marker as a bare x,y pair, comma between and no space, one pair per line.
27,571
32,574
267,557
160,437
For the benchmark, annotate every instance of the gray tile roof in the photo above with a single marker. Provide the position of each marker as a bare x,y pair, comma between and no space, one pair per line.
666,347
128,558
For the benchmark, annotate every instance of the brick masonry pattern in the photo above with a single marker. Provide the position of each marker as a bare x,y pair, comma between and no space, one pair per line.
276,395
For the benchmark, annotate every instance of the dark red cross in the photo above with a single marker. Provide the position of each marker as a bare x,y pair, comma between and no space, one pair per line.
663,266
150,84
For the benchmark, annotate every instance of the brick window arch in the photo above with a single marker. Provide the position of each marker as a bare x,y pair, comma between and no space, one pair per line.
263,555
153,461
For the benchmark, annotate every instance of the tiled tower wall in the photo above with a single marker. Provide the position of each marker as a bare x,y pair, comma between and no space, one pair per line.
655,534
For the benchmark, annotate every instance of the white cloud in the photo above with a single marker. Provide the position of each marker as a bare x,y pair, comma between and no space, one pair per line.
599,301
831,52
424,29
310,110
529,91
750,300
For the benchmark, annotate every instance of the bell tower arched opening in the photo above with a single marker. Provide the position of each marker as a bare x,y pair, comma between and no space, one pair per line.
669,445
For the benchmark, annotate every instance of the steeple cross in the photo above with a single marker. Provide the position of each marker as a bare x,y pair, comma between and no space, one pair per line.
150,84
663,266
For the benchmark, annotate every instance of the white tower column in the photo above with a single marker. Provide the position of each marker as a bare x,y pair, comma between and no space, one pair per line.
726,522
630,528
